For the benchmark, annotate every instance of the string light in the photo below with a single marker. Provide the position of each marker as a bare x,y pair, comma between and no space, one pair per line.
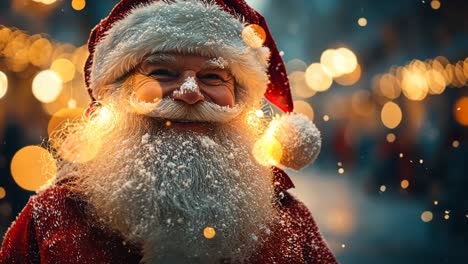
3,84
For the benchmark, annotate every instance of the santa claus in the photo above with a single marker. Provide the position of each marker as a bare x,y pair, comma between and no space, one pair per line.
170,165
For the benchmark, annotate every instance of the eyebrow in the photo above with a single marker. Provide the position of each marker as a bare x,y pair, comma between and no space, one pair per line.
161,58
216,64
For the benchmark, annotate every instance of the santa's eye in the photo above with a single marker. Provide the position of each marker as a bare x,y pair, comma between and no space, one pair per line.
212,79
163,75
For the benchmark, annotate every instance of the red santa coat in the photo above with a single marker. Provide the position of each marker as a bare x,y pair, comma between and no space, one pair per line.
54,228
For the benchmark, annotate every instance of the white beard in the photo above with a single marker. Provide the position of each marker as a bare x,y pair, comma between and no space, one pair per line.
161,188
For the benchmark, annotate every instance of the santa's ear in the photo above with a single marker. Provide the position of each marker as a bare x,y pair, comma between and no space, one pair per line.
299,137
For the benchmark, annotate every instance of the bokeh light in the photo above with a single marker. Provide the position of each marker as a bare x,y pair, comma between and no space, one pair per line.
318,77
426,216
3,84
268,150
304,108
389,86
349,78
391,137
209,232
45,2
64,68
299,87
40,52
2,192
383,188
391,115
60,119
254,35
362,21
46,86
146,89
435,4
345,61
78,4
460,111
32,167
404,184
455,143
414,83
296,65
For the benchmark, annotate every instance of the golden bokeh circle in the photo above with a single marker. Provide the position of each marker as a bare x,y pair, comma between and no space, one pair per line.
209,232
46,86
64,68
3,84
32,167
460,111
318,77
304,108
391,115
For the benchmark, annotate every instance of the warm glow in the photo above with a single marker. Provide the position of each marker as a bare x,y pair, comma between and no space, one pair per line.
268,150
389,86
85,147
345,61
436,82
465,68
318,77
39,52
254,36
414,83
64,68
78,4
340,221
304,108
435,4
426,216
455,143
296,65
391,115
32,167
3,84
339,62
209,232
146,89
327,60
340,170
2,192
362,22
383,188
458,76
46,86
259,113
326,118
460,111
299,86
404,184
391,137
61,119
436,202
46,2
349,78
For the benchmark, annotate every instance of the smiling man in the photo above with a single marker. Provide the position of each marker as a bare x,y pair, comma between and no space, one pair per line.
162,170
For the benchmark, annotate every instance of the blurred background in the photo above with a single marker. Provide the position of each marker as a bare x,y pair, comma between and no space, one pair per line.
384,81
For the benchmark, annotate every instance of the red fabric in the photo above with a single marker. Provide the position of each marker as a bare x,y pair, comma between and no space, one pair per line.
278,91
54,228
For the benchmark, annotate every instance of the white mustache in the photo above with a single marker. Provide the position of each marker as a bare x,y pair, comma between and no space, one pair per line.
171,109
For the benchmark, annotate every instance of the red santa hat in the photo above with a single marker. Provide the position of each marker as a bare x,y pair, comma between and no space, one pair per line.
212,28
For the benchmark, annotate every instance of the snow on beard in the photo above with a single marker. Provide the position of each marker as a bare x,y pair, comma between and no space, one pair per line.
152,184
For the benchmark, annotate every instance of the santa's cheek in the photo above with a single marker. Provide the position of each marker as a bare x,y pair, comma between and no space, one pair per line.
146,88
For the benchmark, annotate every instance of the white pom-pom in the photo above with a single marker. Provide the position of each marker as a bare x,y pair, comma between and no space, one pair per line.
299,138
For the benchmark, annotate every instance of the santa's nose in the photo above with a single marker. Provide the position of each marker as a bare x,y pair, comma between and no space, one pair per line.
188,92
